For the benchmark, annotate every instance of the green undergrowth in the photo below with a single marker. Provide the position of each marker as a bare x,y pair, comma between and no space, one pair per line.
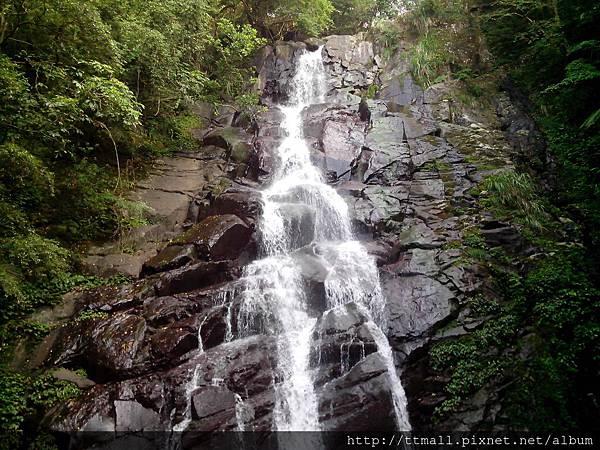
27,395
25,398
539,336
515,195
539,339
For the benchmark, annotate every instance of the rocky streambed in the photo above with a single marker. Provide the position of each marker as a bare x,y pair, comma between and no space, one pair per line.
171,350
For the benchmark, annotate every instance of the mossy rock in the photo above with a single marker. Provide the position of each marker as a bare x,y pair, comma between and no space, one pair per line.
234,140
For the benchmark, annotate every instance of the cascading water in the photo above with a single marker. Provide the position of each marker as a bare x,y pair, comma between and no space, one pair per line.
275,297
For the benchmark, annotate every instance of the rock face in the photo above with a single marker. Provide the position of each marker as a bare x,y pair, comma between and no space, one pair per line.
167,351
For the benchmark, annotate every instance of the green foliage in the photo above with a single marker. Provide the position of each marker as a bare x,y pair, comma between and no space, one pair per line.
91,315
475,245
371,91
591,120
578,71
350,16
31,267
426,14
558,305
386,35
81,87
37,258
562,305
445,40
515,194
428,58
470,360
25,397
108,99
24,180
276,18
71,73
481,305
551,51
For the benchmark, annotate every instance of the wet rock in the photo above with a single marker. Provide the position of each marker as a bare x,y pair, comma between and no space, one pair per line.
341,340
430,189
73,377
380,204
419,235
266,160
95,342
341,142
360,400
226,115
114,343
300,219
314,272
171,257
175,340
380,250
437,93
275,66
241,201
350,61
108,348
416,262
158,400
130,265
159,311
498,234
214,325
131,416
219,237
398,86
390,159
193,277
313,44
415,305
243,367
214,400
91,411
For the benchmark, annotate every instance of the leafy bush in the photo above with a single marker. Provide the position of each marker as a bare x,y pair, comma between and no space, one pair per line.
386,35
350,16
26,397
558,305
12,220
551,53
30,266
37,258
24,180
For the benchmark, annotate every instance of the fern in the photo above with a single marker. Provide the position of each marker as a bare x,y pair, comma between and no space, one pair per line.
577,72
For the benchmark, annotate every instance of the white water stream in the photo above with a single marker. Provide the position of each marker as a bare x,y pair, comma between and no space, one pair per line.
275,300
275,293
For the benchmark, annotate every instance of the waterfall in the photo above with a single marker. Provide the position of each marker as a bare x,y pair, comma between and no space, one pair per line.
275,298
